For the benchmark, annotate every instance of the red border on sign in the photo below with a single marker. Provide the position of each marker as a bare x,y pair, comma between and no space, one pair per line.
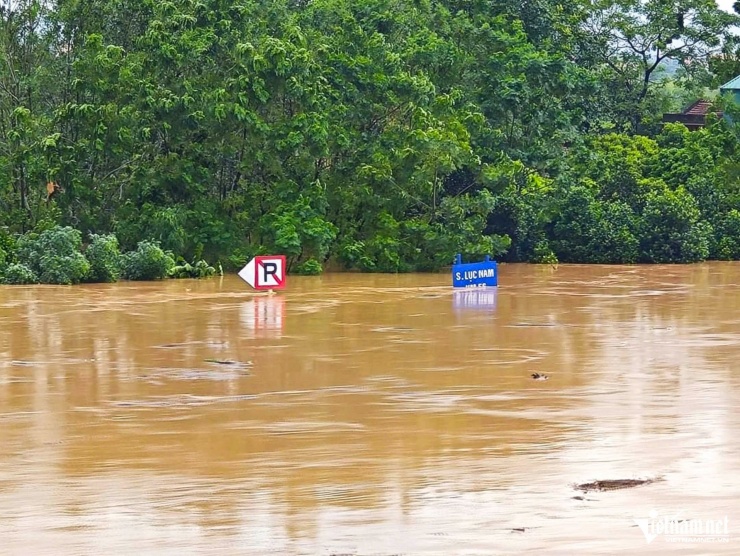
258,260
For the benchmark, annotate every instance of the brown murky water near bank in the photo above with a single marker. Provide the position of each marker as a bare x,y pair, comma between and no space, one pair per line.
373,415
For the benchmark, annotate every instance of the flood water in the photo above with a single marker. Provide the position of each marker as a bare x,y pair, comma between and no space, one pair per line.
372,414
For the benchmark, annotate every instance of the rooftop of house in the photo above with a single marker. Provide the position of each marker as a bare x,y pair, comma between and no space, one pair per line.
699,107
694,116
731,85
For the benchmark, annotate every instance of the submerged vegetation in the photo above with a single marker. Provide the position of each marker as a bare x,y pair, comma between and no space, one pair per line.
378,135
58,256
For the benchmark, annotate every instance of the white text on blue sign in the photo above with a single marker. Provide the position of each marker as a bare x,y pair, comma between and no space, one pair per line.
474,275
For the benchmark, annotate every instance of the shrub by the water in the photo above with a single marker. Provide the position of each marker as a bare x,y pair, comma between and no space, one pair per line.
70,269
201,269
54,255
104,257
148,262
7,247
3,264
311,267
18,274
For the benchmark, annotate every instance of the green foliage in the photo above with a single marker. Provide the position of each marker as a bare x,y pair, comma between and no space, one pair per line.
574,225
3,263
633,40
671,228
18,274
379,253
70,269
311,267
299,230
147,262
200,269
104,257
7,245
353,254
54,255
728,247
240,257
615,238
591,230
543,254
521,212
386,136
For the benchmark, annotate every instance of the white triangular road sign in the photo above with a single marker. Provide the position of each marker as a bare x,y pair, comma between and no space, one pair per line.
247,273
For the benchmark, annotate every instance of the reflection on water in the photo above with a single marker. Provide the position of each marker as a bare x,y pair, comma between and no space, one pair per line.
475,298
263,315
356,414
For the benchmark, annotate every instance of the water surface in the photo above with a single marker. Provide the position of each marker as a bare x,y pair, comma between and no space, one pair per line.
371,414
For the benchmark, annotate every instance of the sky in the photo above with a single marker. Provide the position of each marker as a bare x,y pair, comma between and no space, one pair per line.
726,4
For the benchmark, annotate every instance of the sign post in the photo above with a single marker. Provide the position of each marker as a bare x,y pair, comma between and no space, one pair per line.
474,275
265,272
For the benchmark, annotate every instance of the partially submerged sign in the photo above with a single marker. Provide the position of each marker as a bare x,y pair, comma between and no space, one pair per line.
266,272
474,275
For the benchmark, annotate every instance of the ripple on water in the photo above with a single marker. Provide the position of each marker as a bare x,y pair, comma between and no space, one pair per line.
382,329
309,427
183,401
442,369
209,343
18,415
193,374
426,401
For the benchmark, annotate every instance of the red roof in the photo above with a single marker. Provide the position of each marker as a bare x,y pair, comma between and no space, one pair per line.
700,107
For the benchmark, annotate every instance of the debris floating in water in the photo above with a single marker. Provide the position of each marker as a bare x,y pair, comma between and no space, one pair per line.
539,376
614,484
229,362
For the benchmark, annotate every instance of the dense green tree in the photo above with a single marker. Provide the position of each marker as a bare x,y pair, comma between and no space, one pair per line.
377,134
634,39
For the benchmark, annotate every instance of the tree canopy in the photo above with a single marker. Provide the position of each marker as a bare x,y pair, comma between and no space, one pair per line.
380,135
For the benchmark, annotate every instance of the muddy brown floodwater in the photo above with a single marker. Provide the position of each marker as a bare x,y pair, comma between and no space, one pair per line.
374,415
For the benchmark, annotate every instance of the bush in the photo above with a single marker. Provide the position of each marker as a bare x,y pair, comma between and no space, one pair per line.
184,270
543,254
238,258
104,257
62,241
148,262
3,263
54,255
311,267
353,254
201,269
613,240
672,231
7,247
573,226
728,236
71,269
380,252
19,274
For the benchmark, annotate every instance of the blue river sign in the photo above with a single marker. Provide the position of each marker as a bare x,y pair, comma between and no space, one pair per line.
474,275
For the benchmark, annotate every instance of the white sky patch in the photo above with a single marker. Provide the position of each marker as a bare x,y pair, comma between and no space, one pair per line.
725,5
